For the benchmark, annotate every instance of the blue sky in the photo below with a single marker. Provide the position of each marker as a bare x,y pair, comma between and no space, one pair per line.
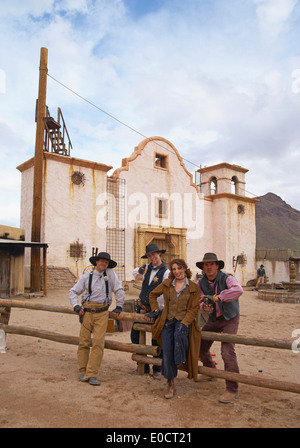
219,79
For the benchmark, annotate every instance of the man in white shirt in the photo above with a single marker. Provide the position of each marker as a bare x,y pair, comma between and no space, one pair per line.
97,287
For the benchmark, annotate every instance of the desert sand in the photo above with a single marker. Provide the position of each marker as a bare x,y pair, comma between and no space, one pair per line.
40,386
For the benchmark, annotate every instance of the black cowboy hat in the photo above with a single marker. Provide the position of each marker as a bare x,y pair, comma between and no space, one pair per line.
152,248
103,256
208,258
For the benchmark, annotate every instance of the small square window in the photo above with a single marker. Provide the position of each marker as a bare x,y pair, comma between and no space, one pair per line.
77,251
161,161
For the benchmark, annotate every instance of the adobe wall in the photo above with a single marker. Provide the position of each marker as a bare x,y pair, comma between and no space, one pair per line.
69,211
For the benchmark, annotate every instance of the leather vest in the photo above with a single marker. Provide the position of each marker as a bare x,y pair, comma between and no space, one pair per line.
146,288
228,309
178,305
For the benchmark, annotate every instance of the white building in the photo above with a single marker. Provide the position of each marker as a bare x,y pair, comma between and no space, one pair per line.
151,198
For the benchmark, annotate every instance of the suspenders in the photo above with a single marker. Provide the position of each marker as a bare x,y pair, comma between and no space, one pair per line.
96,310
90,285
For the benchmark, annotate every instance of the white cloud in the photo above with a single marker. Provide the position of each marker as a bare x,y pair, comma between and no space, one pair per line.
19,9
273,15
198,74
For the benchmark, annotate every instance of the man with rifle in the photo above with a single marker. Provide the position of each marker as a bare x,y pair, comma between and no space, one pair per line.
220,293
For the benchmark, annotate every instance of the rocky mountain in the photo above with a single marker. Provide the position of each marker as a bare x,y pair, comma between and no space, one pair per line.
277,224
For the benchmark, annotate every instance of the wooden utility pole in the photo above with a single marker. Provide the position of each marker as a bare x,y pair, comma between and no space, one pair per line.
35,275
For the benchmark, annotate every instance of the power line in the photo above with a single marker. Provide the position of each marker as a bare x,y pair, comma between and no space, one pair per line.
134,130
97,107
112,116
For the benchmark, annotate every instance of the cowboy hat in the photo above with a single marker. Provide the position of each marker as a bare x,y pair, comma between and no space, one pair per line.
103,256
152,248
209,257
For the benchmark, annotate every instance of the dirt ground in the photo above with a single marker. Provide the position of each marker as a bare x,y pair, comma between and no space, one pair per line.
40,386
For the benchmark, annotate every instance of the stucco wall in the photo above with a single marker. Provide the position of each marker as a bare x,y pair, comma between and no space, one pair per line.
187,208
234,234
69,211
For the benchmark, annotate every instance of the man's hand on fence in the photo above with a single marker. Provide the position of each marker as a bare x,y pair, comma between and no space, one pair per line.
116,311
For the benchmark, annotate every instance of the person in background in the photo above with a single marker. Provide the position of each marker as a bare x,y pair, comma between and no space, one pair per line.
261,273
222,293
97,287
176,329
152,274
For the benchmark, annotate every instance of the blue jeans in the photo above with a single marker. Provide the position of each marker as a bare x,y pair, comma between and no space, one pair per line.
175,344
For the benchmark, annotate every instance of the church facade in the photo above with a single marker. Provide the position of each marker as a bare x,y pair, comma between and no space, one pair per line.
151,198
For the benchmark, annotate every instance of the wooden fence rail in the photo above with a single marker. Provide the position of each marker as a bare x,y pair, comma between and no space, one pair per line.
233,338
231,376
8,303
141,324
74,340
141,351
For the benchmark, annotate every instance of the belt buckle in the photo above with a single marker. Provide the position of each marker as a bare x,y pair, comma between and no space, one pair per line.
93,310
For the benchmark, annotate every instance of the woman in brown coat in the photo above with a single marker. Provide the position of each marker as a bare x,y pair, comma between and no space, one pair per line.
176,330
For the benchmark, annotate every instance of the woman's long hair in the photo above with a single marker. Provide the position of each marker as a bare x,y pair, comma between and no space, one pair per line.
182,264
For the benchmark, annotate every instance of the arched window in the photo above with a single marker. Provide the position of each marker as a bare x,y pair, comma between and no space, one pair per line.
234,185
213,185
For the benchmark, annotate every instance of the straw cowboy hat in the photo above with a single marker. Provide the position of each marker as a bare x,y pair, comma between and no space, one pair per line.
152,248
208,258
103,256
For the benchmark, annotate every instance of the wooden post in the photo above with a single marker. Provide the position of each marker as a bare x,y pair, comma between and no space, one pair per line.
45,269
35,274
142,340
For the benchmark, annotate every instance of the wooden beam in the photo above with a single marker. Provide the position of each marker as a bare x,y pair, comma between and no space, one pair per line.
45,269
231,376
36,306
146,359
142,327
4,314
35,267
141,324
142,340
246,340
12,303
74,340
251,380
232,338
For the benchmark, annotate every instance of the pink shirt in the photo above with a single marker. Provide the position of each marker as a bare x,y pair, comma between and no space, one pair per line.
233,292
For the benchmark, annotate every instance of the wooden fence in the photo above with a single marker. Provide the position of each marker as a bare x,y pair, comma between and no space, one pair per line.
145,354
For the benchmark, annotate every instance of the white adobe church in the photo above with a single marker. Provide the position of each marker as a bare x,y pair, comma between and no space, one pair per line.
151,198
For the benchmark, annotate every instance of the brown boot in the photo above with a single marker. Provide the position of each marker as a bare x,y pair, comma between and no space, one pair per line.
171,391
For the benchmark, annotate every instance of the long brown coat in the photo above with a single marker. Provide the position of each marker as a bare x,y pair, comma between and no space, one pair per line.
189,321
